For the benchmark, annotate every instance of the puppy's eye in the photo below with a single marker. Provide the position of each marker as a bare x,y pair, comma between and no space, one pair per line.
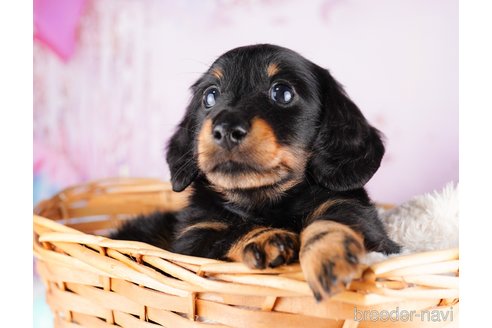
210,97
282,93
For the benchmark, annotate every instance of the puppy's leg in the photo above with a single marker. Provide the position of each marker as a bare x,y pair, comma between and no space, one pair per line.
336,236
330,255
257,247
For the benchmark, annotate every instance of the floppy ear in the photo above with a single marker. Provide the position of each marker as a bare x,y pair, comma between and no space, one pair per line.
347,151
181,155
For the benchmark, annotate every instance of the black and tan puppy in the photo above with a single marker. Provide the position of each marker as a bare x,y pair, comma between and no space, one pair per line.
277,156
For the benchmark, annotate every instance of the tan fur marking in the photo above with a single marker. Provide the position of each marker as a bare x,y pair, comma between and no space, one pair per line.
262,140
204,225
246,180
329,227
217,73
262,236
259,149
235,253
321,209
206,146
272,69
326,265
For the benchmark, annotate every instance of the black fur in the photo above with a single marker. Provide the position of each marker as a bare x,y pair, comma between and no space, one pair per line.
156,229
343,152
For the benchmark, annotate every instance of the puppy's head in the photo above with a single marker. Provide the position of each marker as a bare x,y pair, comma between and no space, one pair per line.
262,118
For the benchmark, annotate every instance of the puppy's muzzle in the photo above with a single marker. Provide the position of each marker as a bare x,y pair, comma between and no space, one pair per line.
229,129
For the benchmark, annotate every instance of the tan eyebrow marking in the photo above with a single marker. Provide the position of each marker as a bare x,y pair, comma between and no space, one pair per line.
217,72
272,69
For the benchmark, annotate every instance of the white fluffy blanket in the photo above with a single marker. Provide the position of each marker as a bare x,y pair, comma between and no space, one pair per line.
424,223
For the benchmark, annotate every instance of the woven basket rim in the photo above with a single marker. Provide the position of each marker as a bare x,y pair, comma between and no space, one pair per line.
426,276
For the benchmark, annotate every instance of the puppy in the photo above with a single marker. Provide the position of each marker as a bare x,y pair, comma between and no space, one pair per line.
277,156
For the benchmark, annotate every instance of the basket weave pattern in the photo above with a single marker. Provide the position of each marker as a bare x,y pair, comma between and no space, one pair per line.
94,281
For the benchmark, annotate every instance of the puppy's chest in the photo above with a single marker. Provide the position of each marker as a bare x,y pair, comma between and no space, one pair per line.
278,217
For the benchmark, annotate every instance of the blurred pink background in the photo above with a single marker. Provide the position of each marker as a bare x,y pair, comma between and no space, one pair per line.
111,79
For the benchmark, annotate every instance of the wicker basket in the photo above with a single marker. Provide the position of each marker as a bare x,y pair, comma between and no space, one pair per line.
93,281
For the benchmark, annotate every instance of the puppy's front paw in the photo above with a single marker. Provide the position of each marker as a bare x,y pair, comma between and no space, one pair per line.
266,247
330,255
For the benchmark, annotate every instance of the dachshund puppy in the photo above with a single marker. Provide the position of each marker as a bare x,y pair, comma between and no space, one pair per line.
277,156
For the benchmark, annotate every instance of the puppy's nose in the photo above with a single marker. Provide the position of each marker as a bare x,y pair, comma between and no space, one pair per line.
228,136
